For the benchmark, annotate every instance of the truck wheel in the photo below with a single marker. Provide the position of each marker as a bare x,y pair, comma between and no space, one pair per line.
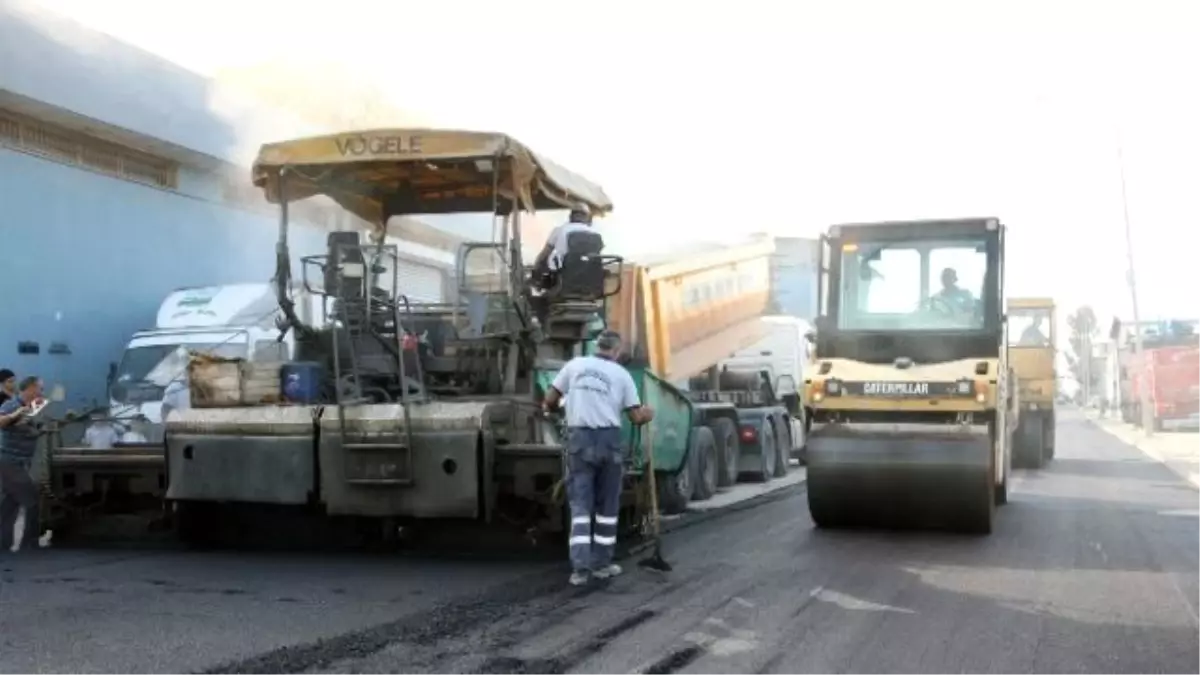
783,447
726,436
705,461
766,451
674,490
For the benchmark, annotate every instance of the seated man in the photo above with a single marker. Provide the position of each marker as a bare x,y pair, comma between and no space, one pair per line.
1033,335
958,300
549,260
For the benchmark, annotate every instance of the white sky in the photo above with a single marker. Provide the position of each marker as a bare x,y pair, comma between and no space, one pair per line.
709,120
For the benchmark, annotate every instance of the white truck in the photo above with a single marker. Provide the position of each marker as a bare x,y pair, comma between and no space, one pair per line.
232,321
783,353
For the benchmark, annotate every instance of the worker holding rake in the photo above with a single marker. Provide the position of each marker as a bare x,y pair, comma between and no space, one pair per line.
596,391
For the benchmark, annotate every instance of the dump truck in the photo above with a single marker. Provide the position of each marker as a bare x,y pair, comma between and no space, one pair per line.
1169,370
688,320
1032,350
912,397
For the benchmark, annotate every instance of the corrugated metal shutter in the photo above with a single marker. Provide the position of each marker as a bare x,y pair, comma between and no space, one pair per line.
421,283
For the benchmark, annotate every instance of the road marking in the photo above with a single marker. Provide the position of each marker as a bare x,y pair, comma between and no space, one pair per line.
1183,513
736,642
850,602
1187,603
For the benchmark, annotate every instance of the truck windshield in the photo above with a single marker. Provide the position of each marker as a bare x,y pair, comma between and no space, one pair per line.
146,370
1029,327
927,285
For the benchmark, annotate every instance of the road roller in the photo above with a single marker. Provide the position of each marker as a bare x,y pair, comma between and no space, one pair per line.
912,398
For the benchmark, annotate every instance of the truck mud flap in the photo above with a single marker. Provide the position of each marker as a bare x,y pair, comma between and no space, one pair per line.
901,475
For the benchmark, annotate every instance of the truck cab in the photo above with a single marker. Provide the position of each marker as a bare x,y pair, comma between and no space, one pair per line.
783,355
230,321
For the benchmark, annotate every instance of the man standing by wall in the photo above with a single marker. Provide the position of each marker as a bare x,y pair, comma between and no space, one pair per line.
8,385
18,444
597,392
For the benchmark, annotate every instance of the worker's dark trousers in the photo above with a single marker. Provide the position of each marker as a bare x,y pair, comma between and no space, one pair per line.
19,491
595,464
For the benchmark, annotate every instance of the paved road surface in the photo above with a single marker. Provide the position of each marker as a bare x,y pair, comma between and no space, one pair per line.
1093,568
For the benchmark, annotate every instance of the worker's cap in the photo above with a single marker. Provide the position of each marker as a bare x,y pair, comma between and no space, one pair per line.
6,375
608,340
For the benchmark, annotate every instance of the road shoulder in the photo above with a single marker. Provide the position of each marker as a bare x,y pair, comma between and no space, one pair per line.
1178,450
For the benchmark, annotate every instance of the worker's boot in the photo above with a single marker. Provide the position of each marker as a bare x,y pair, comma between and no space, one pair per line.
579,578
608,571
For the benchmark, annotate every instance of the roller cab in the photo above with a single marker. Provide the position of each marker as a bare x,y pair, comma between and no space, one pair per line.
1031,348
910,400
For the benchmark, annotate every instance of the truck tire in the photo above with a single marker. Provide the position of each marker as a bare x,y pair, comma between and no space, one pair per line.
726,436
705,462
674,490
766,451
783,446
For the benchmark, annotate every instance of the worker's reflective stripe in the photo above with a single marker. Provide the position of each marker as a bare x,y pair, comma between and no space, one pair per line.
606,520
583,540
581,520
604,541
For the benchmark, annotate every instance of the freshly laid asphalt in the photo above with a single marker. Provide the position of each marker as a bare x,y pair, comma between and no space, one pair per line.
1092,567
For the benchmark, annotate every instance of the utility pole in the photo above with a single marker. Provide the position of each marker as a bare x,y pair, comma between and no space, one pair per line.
1087,365
1138,345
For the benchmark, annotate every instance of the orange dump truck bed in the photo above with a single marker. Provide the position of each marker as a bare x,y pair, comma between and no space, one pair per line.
685,313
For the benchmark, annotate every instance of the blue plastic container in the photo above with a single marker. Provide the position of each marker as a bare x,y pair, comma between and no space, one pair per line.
301,381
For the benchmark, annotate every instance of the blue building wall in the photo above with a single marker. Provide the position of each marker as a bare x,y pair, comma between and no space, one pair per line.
89,258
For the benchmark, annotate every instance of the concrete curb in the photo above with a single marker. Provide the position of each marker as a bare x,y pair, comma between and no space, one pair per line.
693,518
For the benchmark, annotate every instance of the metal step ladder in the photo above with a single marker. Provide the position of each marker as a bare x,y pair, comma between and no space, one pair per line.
375,463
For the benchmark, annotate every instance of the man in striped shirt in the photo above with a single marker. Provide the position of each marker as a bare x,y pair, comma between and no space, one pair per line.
18,444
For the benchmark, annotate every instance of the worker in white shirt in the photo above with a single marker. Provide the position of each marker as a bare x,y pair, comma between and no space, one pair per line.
550,259
551,256
597,391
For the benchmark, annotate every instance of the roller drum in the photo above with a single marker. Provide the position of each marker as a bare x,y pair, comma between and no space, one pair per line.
901,475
